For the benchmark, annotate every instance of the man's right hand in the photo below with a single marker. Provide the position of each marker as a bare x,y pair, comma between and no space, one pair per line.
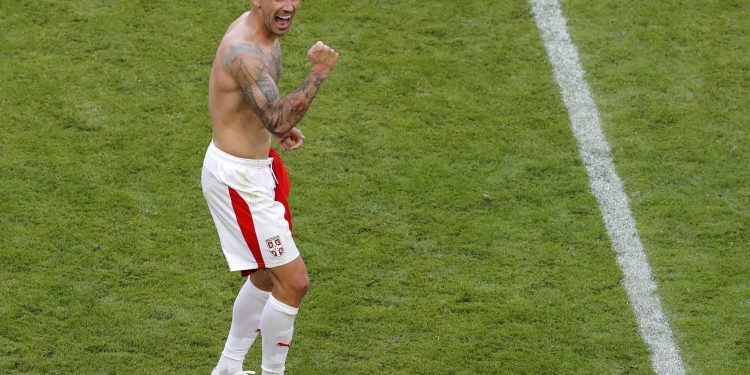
323,58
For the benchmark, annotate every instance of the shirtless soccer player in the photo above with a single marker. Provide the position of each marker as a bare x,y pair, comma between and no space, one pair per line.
246,185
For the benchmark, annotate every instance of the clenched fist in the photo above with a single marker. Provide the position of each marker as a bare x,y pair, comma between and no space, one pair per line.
323,58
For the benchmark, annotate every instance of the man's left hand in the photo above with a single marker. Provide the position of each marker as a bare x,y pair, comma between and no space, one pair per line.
292,140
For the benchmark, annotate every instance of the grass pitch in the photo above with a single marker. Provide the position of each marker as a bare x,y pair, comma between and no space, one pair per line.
439,202
676,118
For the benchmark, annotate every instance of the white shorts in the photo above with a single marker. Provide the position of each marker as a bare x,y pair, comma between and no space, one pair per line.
248,202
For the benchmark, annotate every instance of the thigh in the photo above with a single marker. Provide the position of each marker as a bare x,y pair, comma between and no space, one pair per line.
262,280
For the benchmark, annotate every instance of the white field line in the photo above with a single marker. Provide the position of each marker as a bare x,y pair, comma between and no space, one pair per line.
607,188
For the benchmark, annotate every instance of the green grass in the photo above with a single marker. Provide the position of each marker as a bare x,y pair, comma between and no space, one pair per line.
676,115
439,201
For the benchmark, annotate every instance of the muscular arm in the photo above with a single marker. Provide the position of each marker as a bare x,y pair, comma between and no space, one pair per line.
252,71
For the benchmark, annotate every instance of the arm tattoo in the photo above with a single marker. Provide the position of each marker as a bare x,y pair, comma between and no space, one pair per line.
254,72
238,48
316,82
246,88
267,87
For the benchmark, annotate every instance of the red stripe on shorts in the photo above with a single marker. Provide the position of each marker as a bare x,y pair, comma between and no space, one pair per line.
245,220
283,185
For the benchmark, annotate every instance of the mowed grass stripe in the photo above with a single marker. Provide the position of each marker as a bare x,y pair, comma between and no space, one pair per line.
608,188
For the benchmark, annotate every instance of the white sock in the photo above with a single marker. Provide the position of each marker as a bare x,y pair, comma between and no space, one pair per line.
277,327
246,314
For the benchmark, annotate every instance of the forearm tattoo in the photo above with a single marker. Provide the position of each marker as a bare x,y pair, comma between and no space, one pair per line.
257,73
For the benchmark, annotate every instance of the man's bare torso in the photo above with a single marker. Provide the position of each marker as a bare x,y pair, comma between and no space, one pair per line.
237,130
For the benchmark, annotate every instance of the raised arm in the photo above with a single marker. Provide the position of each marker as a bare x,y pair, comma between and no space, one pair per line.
279,114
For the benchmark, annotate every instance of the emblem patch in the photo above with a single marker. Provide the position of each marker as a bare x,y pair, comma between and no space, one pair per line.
274,246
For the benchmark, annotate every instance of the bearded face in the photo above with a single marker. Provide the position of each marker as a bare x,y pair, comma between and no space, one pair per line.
277,14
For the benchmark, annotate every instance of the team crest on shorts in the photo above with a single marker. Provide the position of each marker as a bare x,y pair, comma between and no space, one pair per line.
274,246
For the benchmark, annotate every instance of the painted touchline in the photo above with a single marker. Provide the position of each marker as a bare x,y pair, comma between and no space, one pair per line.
608,189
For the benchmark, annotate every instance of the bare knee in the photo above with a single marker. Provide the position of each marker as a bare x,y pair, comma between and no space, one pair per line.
290,282
301,284
295,286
